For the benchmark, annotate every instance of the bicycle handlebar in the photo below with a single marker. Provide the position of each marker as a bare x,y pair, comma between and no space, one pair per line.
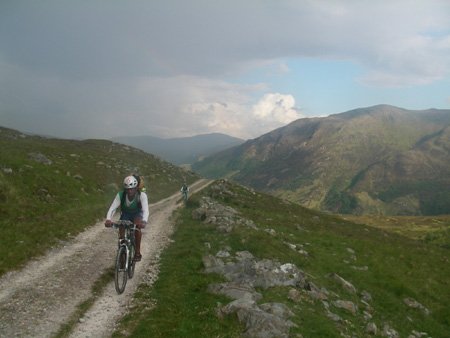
122,223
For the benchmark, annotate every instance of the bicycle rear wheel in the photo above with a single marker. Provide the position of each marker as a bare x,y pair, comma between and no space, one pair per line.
120,276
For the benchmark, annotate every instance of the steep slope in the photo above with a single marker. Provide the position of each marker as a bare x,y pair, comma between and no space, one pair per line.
184,150
380,159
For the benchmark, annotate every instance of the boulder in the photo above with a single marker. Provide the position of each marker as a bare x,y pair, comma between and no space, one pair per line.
235,291
38,157
262,324
347,285
345,304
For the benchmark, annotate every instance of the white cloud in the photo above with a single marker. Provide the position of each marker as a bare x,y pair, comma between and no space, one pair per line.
276,108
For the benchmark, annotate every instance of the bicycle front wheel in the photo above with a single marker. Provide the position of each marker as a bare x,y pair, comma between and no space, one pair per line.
131,262
121,270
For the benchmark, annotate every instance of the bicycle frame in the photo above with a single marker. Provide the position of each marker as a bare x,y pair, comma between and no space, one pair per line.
126,240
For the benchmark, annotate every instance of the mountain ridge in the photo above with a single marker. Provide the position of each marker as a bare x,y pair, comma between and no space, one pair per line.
380,159
182,150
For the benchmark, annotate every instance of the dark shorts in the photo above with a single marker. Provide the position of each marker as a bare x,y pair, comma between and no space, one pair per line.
131,217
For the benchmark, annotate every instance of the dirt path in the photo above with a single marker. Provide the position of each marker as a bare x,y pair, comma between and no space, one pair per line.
35,301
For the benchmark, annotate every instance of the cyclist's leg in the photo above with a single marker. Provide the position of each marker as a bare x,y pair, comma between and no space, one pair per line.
138,234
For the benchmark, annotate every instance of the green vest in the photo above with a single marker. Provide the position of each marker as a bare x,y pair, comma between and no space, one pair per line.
134,207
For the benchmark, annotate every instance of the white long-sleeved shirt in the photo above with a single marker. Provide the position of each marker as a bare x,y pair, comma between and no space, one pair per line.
116,204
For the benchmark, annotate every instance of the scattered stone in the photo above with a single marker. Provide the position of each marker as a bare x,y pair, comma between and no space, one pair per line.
238,304
271,232
270,320
366,295
417,334
347,285
291,246
223,254
243,255
334,317
367,316
303,252
200,213
211,262
278,309
315,292
235,291
299,228
262,324
368,307
389,332
371,328
416,305
345,304
294,295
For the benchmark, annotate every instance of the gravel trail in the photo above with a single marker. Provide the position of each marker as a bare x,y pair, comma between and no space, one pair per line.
36,300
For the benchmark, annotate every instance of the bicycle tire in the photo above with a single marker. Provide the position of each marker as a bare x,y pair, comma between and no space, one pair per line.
120,275
131,262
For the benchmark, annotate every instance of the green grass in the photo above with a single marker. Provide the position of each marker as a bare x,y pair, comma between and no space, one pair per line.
398,267
42,205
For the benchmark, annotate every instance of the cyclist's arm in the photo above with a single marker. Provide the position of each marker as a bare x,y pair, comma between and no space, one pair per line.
114,206
144,202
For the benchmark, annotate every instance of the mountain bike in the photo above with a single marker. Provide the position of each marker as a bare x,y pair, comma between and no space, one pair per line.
185,196
125,254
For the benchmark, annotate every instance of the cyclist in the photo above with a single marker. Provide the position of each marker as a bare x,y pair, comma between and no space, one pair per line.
184,190
133,204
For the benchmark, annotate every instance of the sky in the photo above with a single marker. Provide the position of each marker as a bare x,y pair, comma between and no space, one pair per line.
178,68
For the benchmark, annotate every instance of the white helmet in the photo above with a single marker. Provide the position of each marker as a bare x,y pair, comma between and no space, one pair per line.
130,182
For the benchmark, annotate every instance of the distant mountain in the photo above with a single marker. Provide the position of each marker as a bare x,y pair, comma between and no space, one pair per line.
185,150
380,160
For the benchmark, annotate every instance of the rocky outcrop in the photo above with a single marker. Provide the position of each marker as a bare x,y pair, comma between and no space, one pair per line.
263,273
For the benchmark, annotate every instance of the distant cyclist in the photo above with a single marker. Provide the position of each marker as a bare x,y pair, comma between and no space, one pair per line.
133,204
184,190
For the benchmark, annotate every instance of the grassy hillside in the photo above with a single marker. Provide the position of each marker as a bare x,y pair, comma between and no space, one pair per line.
378,160
390,267
51,189
434,230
